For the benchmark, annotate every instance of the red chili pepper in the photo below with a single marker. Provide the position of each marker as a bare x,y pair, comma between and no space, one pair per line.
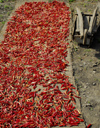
62,124
77,96
89,126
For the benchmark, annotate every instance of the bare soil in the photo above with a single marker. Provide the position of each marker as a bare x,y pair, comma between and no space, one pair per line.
6,7
86,63
86,70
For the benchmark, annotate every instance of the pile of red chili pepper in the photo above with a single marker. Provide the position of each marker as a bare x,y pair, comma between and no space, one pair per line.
34,90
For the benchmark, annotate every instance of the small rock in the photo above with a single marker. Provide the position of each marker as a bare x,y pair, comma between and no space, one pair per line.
85,86
94,72
94,84
88,105
84,63
81,65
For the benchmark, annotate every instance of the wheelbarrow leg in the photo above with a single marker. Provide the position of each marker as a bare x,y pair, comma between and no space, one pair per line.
80,22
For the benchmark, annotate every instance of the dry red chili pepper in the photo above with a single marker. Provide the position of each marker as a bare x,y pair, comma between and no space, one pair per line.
89,126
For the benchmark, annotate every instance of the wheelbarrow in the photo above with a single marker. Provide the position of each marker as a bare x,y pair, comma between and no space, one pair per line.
84,27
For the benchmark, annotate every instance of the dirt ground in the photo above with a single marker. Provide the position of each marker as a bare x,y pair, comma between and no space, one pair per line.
86,70
6,7
86,63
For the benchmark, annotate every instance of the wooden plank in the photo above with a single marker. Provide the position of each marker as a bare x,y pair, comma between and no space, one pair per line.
76,36
77,25
80,21
92,21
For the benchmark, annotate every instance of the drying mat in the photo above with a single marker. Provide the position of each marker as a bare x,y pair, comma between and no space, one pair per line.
35,89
